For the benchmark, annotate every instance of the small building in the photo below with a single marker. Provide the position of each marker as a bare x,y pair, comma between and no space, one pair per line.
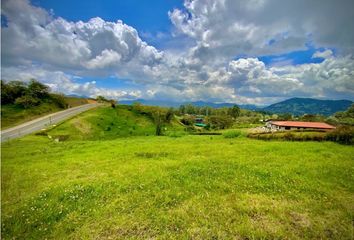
295,125
199,120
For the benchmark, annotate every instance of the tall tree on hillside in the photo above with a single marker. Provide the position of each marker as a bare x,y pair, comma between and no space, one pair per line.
169,115
234,111
190,109
159,120
182,109
12,90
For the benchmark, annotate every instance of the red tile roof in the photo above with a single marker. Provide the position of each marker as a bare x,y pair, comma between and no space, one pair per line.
303,124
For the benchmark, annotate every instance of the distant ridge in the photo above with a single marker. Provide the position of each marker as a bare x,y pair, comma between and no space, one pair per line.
295,106
301,106
196,103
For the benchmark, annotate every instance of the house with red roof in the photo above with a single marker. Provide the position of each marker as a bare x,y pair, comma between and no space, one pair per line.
296,125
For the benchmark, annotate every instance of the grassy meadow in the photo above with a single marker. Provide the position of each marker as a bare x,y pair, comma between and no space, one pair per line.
105,123
189,187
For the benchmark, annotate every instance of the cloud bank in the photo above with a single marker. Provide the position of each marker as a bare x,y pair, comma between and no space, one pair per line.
221,62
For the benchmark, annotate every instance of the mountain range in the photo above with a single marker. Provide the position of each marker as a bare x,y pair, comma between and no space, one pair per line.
196,103
295,106
301,106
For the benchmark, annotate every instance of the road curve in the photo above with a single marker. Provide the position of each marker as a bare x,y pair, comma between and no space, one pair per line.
43,122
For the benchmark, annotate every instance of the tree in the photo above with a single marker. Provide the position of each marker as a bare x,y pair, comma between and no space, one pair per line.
113,103
182,109
159,120
285,116
188,120
59,100
190,109
27,101
37,89
234,111
101,99
169,115
12,90
220,121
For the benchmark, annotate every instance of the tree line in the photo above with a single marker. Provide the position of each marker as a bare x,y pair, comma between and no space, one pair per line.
234,111
29,94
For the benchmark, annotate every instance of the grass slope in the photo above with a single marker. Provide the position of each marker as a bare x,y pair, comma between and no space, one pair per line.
192,187
12,115
108,123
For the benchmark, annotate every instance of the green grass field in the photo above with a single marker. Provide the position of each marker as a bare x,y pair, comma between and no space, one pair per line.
112,179
190,187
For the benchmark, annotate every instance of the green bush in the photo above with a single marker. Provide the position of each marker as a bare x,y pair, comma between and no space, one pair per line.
232,134
220,122
59,100
342,134
188,120
27,101
288,136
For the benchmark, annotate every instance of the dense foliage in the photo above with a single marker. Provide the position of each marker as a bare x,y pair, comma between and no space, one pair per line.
27,95
161,116
233,111
342,134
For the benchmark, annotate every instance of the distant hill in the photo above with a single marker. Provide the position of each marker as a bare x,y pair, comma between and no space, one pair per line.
177,104
300,106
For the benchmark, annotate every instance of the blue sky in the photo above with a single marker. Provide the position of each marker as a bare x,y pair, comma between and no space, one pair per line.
149,18
145,16
246,52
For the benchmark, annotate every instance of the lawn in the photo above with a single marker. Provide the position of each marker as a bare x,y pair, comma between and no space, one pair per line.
189,187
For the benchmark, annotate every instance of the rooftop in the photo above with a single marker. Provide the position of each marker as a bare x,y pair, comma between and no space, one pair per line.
303,124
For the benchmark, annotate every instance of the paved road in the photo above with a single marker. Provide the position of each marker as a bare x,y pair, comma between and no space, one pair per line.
43,122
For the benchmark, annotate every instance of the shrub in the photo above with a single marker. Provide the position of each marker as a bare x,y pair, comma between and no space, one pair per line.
113,103
101,99
188,120
59,100
27,101
220,122
232,134
342,134
288,136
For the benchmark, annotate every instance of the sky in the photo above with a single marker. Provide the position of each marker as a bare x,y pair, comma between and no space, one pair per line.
245,52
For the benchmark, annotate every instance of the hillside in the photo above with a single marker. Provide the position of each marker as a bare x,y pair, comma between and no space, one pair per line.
300,106
25,101
108,123
13,114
